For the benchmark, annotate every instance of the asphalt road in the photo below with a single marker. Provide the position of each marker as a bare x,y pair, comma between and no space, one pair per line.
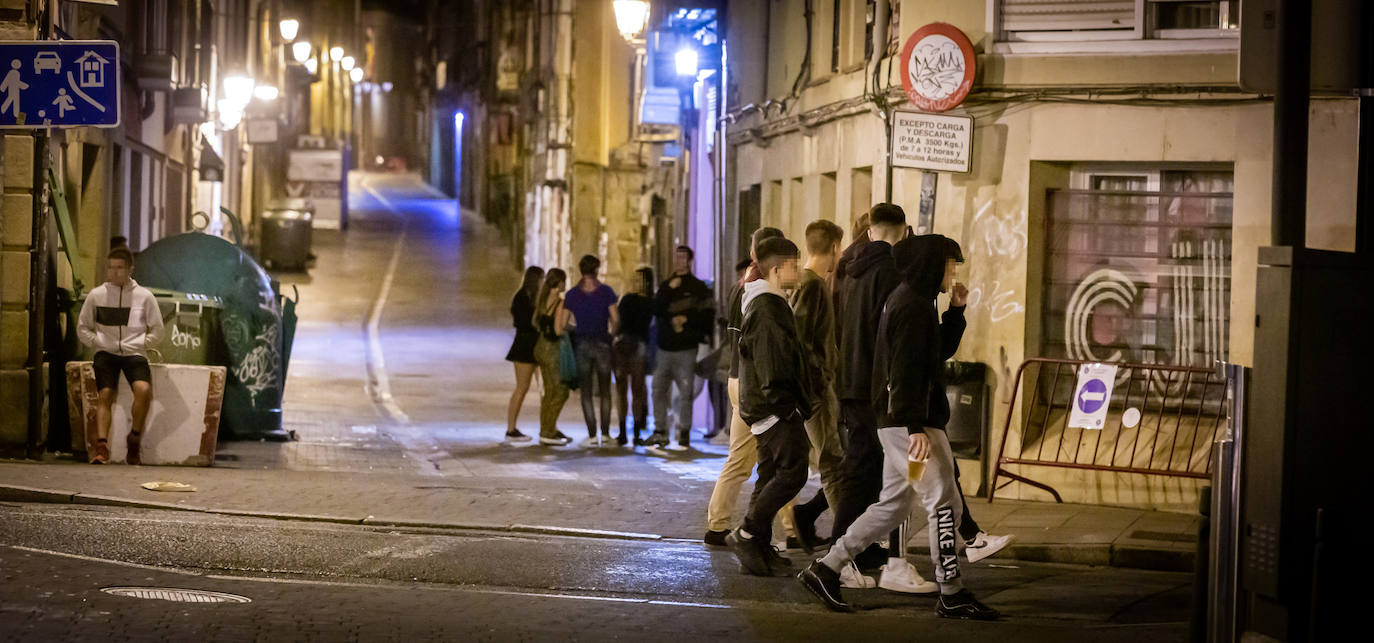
320,581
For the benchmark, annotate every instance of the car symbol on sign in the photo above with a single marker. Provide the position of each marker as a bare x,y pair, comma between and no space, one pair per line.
47,60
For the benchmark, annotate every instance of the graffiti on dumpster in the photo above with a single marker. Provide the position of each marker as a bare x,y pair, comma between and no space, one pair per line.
183,339
258,369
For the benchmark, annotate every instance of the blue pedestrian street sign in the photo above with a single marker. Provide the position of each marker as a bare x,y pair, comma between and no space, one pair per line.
59,83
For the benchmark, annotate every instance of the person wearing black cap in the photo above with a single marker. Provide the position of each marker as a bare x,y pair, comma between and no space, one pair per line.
912,344
775,401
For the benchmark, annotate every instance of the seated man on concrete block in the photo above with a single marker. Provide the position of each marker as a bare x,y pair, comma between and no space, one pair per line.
121,321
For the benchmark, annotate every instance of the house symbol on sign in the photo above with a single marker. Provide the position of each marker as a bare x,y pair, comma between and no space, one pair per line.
92,69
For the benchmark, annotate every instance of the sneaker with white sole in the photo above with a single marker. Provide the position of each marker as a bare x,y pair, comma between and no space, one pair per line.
590,443
901,576
984,545
851,578
556,440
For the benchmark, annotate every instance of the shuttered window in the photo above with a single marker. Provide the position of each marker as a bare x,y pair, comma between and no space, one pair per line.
1069,20
1138,267
1068,15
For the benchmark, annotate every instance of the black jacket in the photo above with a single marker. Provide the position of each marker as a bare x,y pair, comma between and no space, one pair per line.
734,321
774,379
869,279
691,299
913,343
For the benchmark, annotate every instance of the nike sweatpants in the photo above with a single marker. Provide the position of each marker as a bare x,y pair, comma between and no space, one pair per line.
937,494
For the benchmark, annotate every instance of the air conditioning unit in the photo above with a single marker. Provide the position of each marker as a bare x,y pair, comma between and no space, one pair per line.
190,105
156,72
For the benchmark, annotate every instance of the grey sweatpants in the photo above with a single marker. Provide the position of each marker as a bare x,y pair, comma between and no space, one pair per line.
936,494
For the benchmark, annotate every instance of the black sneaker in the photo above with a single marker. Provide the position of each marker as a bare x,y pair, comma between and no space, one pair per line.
825,584
716,538
657,439
779,565
684,438
621,439
514,435
964,606
871,559
750,554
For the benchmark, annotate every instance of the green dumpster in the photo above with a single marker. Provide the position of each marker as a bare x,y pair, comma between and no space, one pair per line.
250,321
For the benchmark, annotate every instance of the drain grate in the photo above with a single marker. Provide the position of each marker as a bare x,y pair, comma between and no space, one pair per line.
176,595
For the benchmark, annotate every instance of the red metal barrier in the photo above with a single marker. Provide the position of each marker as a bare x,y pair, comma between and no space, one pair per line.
1178,411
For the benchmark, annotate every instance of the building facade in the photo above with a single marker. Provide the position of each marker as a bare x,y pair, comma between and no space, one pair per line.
176,152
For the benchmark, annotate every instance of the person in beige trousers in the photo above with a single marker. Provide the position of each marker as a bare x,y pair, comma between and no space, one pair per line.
743,454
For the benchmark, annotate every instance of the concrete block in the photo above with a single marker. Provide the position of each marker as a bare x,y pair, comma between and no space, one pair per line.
14,338
14,277
183,420
14,408
18,162
16,220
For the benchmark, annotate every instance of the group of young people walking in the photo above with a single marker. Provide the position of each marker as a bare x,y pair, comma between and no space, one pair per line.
848,340
583,336
834,365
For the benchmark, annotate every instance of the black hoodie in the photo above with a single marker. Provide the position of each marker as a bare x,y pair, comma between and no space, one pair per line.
869,279
913,343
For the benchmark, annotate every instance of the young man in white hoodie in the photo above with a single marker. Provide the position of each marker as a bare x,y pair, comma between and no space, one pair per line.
121,321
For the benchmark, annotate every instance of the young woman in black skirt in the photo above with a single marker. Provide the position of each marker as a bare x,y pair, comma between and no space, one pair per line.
522,349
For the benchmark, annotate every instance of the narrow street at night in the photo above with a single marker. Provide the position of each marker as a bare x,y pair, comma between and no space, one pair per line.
434,456
685,320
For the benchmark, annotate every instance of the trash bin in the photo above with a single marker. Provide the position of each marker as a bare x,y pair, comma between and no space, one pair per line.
285,241
192,325
966,387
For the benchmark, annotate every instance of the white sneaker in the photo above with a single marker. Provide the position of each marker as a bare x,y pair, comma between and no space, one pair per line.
900,576
851,578
590,443
984,545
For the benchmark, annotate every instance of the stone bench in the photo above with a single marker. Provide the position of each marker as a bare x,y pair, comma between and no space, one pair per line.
183,420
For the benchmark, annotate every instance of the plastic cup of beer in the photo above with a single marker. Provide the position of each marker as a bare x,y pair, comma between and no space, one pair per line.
915,469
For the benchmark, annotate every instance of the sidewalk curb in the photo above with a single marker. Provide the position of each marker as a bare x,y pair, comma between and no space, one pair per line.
1133,556
18,493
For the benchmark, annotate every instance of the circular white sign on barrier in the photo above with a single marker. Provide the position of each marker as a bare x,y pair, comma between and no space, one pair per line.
1130,418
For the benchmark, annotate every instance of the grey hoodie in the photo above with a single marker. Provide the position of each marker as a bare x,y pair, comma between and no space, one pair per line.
120,321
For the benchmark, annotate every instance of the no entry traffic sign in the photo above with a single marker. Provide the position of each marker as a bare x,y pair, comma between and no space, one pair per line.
59,83
938,67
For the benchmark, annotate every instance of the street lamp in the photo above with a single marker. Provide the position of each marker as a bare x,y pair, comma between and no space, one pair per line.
230,113
238,89
312,65
631,16
336,53
289,28
356,74
301,51
266,92
686,59
347,63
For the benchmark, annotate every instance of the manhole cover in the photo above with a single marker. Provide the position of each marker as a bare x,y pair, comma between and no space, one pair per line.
176,595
